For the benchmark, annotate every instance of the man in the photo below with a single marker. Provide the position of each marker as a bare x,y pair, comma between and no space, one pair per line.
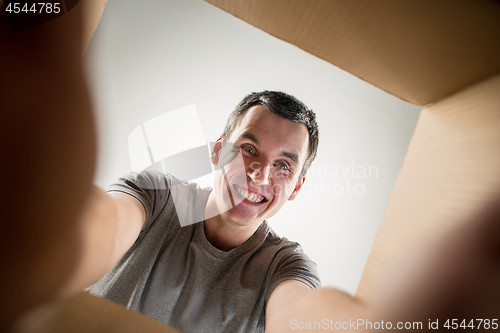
218,275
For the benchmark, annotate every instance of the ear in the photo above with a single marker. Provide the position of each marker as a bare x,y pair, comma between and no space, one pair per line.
297,189
215,152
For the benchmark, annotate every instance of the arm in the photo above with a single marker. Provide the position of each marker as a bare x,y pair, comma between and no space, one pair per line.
292,303
109,225
456,277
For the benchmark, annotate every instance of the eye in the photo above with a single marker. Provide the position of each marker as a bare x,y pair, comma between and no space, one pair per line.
248,149
283,166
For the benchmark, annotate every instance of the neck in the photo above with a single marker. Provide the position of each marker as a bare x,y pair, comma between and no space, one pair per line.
223,233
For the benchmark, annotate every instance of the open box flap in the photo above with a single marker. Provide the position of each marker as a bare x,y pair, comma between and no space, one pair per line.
419,51
451,170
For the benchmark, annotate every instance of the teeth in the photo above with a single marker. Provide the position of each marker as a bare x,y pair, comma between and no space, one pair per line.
250,197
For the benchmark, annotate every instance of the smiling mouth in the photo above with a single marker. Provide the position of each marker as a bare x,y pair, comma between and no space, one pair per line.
253,198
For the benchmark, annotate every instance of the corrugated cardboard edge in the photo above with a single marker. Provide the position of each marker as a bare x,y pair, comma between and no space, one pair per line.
451,170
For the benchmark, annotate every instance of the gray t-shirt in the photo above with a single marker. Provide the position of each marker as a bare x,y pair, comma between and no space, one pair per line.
175,275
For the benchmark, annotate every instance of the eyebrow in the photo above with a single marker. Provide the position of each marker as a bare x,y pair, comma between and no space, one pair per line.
291,156
294,157
250,136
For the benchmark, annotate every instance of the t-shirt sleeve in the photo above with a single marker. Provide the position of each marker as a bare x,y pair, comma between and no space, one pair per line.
294,264
151,188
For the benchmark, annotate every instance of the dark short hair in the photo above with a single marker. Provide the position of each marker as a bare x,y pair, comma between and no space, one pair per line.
285,106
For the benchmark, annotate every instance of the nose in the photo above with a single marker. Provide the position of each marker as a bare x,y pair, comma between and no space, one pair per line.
259,173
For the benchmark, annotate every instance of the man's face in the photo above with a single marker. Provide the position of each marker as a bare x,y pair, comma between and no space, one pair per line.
274,150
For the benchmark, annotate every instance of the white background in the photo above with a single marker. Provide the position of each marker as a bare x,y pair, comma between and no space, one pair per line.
150,57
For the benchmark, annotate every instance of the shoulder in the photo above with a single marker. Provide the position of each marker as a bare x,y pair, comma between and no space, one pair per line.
189,199
153,180
283,245
163,194
291,262
144,181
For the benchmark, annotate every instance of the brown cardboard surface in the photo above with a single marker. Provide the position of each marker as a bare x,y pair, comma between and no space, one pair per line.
451,169
87,314
419,51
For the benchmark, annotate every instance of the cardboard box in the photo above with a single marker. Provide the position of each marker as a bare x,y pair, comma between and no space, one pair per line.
445,53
